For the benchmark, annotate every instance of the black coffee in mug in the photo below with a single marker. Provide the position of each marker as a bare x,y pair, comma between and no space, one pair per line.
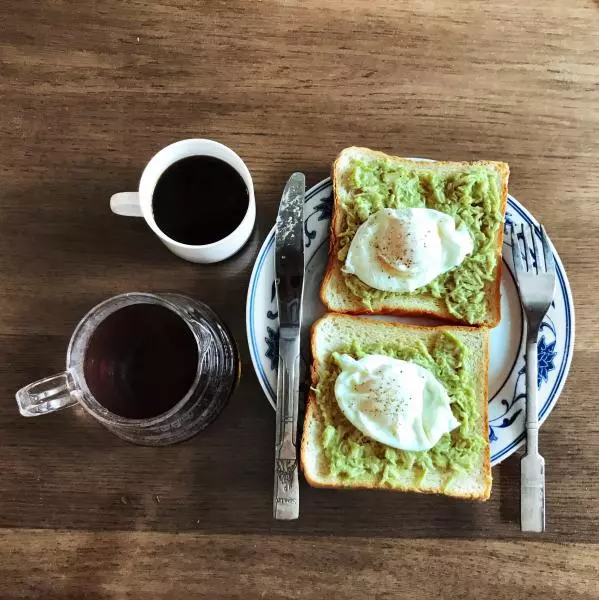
199,200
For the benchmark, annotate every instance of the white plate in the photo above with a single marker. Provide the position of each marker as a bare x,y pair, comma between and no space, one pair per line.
506,369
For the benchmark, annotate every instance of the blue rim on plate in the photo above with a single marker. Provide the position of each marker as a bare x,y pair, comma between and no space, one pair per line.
506,414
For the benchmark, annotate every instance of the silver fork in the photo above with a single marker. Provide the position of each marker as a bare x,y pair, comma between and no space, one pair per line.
537,286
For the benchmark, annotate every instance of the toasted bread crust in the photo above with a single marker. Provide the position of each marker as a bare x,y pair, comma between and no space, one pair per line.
312,418
487,457
333,269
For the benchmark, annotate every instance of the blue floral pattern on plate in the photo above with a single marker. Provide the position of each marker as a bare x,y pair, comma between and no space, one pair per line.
272,342
323,211
546,355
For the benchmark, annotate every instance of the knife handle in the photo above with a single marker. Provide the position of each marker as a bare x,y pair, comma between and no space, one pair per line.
286,492
286,488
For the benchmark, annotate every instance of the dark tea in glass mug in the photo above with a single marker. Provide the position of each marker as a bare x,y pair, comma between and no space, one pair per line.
155,369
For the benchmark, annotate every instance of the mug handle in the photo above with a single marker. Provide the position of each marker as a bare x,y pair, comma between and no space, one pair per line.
47,395
126,204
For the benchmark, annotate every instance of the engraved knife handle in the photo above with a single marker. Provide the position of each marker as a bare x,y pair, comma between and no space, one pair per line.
286,488
286,492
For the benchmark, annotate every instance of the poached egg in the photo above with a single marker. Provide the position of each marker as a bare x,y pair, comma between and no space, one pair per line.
403,249
392,401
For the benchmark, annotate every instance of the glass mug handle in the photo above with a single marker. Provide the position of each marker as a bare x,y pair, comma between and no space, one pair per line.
47,395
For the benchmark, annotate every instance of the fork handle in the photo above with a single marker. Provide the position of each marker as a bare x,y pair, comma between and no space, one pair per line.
532,465
532,409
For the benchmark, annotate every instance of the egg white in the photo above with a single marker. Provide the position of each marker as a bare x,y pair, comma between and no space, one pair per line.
392,401
401,250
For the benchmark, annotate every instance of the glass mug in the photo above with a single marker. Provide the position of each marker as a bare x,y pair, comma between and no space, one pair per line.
154,369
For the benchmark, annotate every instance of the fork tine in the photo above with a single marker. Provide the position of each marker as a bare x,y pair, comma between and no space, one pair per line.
535,249
516,253
549,260
525,244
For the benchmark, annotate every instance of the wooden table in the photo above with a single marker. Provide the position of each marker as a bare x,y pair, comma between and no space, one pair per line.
89,91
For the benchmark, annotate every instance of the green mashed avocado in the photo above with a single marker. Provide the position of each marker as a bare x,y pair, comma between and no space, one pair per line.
471,197
350,454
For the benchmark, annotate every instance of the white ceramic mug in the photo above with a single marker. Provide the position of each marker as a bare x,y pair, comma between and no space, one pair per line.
139,204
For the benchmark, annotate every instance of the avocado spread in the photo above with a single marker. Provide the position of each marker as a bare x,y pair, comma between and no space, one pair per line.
350,454
470,196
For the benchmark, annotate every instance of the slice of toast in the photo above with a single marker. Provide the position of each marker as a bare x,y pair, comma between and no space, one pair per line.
335,333
334,292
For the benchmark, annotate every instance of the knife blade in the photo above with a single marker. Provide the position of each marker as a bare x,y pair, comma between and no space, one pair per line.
289,281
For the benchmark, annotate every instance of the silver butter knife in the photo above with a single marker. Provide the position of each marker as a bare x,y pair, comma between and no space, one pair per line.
289,268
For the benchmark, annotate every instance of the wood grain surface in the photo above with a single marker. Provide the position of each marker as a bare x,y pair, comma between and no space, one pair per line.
88,92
